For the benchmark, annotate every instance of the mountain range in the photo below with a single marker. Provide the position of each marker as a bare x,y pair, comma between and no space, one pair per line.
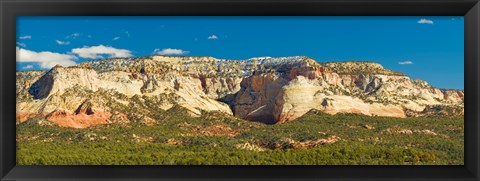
272,90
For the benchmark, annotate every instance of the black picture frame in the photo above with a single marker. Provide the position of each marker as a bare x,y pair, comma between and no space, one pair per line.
10,9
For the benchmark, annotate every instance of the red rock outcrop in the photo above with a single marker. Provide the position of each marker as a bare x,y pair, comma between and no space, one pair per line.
80,120
24,116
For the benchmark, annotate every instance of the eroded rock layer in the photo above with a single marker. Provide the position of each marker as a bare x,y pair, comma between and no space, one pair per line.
269,90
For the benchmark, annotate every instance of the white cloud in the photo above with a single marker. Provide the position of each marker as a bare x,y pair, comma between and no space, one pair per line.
169,51
21,44
127,33
25,37
405,63
62,42
425,21
116,38
73,35
45,59
213,37
28,67
97,51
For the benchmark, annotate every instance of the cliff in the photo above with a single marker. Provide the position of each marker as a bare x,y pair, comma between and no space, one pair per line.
265,89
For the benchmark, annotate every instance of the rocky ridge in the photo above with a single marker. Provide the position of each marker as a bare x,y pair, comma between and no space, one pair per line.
264,89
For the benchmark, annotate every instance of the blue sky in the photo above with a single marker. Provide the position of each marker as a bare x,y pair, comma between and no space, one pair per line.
427,48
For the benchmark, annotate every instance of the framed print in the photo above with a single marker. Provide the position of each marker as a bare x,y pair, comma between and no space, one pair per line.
239,90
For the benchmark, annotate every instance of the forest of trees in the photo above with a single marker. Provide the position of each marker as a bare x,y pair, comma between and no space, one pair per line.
214,139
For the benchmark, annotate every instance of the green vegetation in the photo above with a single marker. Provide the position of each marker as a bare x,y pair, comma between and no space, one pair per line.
213,139
359,68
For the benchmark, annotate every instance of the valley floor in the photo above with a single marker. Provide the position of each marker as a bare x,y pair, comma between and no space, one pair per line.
215,139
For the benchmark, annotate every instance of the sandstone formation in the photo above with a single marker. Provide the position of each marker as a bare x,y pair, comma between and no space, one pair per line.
352,87
264,89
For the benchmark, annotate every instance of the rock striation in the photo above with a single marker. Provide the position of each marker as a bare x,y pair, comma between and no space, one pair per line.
263,89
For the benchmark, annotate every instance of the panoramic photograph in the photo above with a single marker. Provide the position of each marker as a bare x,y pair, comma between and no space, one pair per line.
240,90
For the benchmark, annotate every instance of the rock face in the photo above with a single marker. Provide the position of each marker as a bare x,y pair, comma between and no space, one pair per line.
269,90
351,87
